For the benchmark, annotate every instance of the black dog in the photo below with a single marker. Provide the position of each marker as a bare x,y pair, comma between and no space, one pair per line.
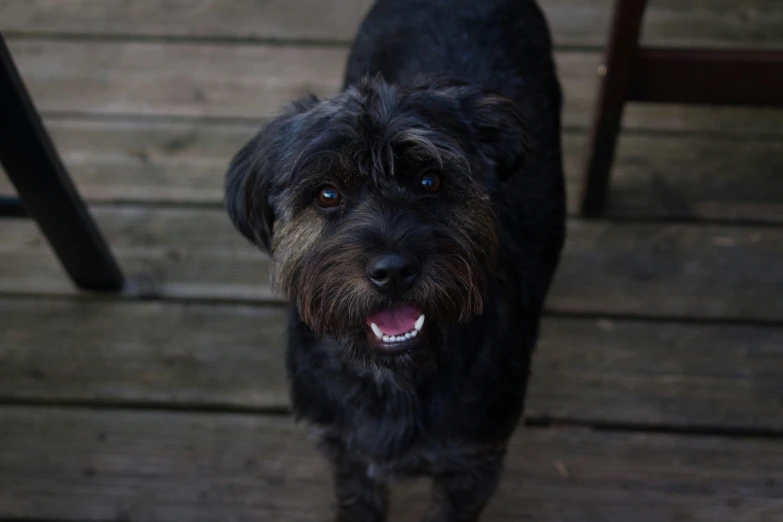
415,221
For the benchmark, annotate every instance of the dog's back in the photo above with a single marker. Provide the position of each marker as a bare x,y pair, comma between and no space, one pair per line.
486,42
503,45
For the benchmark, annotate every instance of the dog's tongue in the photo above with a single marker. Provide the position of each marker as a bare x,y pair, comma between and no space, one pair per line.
396,320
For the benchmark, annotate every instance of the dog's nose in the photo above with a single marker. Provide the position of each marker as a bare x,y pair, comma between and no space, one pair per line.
393,272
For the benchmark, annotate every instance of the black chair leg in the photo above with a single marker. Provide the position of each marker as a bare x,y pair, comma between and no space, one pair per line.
43,185
12,207
620,52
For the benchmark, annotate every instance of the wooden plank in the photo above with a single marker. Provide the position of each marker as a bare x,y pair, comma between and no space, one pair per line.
144,466
689,177
231,356
573,22
669,270
686,270
320,20
178,79
120,161
146,352
196,254
675,374
248,81
669,176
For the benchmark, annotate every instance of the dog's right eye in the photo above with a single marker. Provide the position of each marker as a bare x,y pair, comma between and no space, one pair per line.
429,182
328,197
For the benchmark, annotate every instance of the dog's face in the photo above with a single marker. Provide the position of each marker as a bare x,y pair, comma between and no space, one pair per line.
375,207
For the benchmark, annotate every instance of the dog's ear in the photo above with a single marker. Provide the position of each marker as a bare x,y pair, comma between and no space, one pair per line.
251,175
500,132
247,194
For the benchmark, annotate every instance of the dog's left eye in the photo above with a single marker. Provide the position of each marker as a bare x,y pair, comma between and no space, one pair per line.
429,182
328,197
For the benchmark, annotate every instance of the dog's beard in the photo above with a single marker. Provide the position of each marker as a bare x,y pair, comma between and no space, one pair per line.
334,297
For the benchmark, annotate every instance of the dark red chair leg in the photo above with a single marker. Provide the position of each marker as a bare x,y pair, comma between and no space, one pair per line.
620,52
46,191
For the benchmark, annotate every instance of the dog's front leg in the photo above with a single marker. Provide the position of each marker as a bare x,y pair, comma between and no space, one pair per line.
461,495
360,498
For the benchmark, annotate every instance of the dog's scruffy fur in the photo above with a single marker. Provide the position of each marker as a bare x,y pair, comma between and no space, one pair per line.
465,89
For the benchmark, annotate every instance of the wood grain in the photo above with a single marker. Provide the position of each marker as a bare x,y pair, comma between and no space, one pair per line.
674,374
686,270
154,78
251,81
663,270
231,356
145,352
655,176
573,22
146,466
690,177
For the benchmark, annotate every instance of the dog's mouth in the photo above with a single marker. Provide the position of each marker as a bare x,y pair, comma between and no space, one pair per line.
396,328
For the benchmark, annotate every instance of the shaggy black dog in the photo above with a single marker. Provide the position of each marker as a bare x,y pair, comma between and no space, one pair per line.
415,221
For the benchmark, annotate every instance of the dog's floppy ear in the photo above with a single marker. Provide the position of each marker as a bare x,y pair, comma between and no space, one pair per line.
500,132
252,175
247,194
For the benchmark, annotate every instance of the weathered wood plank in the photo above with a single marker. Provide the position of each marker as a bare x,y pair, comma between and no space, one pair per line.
149,161
573,22
232,356
147,352
670,270
320,20
173,78
688,177
247,81
196,254
146,466
620,371
686,270
681,176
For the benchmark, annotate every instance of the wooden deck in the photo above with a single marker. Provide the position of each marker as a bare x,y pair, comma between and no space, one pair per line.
658,388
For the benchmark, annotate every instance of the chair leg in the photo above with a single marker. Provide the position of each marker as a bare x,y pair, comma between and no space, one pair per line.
43,185
620,52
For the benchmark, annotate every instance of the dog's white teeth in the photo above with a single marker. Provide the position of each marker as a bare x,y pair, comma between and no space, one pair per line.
377,331
419,323
398,338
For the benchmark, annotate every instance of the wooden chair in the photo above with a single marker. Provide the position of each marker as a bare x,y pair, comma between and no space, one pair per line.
666,75
46,193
